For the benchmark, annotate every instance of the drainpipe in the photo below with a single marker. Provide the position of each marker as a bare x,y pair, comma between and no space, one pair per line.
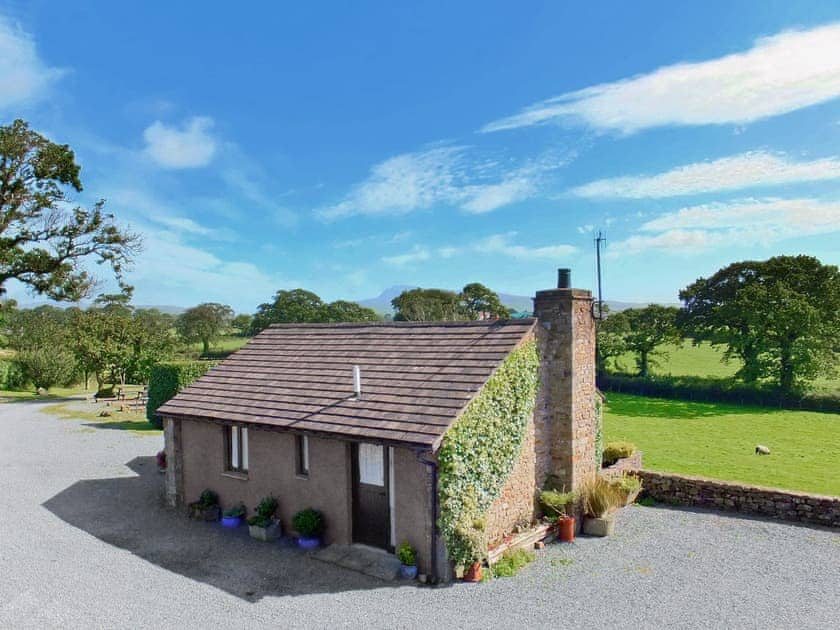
433,559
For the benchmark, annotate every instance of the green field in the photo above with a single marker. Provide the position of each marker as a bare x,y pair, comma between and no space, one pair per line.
701,360
717,440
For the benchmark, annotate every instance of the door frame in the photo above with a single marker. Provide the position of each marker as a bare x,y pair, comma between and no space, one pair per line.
387,471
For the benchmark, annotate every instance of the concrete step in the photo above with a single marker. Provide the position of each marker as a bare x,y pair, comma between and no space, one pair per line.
373,562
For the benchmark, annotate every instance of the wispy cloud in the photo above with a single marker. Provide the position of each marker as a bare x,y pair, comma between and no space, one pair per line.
189,146
24,76
442,176
753,169
779,74
697,229
496,244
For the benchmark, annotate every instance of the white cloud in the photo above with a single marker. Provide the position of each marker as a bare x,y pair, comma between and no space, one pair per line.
190,146
417,254
496,244
442,175
24,77
779,74
756,168
697,229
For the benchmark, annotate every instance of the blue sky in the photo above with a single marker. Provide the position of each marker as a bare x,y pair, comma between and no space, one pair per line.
347,147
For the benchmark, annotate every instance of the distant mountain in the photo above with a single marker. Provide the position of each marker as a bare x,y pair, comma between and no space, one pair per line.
382,302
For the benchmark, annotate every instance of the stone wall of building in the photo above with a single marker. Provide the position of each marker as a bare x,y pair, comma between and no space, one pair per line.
745,499
624,465
515,504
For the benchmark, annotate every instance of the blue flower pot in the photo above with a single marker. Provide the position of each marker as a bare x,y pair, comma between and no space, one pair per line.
231,521
308,543
408,572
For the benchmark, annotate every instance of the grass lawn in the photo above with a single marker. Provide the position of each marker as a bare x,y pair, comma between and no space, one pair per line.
718,441
56,392
703,360
134,420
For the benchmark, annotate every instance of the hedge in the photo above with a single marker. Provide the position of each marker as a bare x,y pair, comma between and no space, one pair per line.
167,379
12,376
714,390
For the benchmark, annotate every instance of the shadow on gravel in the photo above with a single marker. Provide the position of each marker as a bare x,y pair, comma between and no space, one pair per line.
130,513
39,400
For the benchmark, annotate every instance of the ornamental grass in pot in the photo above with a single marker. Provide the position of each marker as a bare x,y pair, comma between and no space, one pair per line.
600,501
556,504
264,524
309,524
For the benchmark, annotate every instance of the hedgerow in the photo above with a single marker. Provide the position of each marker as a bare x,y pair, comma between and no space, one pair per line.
167,379
480,450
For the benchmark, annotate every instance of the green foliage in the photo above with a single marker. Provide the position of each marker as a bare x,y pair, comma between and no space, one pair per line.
780,317
614,451
167,379
638,330
599,430
44,367
301,306
264,512
555,502
627,485
308,523
205,323
242,324
479,302
11,375
512,561
43,243
237,511
428,305
407,554
599,496
480,450
208,499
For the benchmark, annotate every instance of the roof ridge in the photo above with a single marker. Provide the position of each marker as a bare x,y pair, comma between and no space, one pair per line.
437,324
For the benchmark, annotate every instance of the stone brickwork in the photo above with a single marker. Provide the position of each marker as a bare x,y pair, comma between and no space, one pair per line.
515,504
565,417
625,464
735,497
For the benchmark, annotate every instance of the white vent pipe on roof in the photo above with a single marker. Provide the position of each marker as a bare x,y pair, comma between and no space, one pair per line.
357,381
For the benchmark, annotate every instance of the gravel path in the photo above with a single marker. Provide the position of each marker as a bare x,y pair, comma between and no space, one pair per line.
85,542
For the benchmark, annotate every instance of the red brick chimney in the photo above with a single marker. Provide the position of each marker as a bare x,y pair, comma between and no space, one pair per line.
565,418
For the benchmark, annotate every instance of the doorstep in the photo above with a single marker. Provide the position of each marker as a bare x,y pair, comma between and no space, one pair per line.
368,560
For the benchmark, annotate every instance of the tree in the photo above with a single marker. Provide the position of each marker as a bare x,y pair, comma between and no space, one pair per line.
781,317
343,311
205,323
643,329
43,244
46,367
612,334
242,324
428,305
479,302
295,306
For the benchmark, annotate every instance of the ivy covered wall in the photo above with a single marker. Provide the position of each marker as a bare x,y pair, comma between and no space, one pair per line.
480,450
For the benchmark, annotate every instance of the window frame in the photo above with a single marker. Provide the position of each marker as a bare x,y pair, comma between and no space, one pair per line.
242,448
302,456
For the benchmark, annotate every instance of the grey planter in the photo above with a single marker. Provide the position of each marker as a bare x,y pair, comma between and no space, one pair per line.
205,514
272,532
599,526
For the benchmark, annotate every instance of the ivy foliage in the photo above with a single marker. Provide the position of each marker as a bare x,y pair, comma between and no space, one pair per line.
480,450
167,379
599,431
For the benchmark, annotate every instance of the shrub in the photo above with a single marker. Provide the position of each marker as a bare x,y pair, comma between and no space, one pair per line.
264,512
208,499
614,451
237,511
47,367
308,523
512,561
407,554
627,486
12,376
600,497
167,379
555,502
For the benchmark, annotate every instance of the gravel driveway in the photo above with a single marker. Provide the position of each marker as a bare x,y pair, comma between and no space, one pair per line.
85,542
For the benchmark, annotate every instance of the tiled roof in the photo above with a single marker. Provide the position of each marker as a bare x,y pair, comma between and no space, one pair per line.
416,378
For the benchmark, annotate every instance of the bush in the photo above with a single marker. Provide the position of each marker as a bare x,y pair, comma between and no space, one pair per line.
208,499
12,376
511,562
600,497
407,554
308,523
264,512
556,502
47,367
614,451
167,379
627,485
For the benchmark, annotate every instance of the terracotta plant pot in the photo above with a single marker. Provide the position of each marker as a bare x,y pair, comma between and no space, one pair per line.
566,529
474,573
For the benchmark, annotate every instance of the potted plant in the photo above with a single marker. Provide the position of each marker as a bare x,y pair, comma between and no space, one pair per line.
160,458
264,525
628,486
232,517
600,500
472,550
408,560
309,524
556,503
206,508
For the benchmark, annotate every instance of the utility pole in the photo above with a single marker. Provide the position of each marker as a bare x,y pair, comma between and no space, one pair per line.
600,240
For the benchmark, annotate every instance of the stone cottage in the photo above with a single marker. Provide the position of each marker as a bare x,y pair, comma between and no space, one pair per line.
349,419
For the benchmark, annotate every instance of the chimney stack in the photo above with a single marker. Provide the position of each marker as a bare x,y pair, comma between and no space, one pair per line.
565,418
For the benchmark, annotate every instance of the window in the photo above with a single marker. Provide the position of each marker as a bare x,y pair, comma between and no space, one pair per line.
302,455
371,464
236,439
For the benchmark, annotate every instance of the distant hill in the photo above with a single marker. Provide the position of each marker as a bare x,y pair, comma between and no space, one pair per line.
522,303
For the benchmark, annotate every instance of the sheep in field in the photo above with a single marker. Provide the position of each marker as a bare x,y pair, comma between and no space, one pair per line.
762,450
